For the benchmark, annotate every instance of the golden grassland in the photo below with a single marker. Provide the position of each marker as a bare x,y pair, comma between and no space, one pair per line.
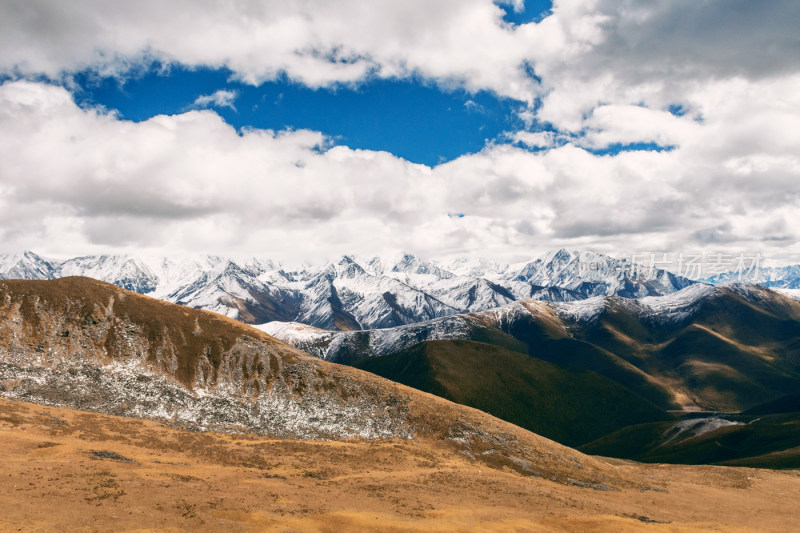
69,470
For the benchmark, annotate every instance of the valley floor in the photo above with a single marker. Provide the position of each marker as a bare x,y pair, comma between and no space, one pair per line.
68,470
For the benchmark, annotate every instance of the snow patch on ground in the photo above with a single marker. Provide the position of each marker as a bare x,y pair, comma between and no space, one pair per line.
693,427
581,311
794,294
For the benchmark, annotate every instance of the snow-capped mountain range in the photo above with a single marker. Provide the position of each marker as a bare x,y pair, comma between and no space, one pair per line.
354,293
785,277
664,312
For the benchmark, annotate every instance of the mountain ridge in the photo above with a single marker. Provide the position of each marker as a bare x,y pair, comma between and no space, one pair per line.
706,347
352,293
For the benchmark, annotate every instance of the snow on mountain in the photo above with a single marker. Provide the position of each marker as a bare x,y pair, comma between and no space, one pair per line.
581,311
337,345
457,290
591,274
346,296
222,289
676,306
401,264
348,346
176,273
124,271
25,265
228,288
477,268
669,309
352,293
794,294
786,277
470,294
675,309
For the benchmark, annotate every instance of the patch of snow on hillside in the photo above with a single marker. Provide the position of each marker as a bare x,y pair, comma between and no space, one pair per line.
794,294
581,311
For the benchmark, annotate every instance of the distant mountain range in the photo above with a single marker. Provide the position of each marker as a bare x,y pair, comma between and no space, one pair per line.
786,277
354,293
576,371
660,343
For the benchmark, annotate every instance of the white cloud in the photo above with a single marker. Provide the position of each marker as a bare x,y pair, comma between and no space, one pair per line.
221,98
539,139
455,42
656,54
626,124
610,72
517,5
81,180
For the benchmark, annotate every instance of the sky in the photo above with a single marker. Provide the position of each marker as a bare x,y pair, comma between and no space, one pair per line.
310,129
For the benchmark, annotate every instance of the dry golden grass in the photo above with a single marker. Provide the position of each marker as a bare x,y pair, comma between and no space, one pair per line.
149,477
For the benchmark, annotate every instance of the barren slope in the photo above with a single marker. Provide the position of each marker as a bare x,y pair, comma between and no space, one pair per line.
67,470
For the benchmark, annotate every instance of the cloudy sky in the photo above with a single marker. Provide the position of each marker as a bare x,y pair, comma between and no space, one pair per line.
308,129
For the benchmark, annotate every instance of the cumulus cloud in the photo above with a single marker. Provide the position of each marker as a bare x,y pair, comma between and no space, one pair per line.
716,81
81,179
656,54
455,42
588,54
221,98
538,139
586,51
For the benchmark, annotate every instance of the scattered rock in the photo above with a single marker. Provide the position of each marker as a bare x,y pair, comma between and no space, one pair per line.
100,455
654,489
647,519
585,485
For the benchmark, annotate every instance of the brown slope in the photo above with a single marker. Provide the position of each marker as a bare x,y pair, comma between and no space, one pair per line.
82,343
69,470
731,349
739,347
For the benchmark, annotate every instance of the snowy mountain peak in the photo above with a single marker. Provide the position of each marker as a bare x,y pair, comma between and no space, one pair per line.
349,268
352,292
125,271
560,257
785,277
24,265
260,265
476,268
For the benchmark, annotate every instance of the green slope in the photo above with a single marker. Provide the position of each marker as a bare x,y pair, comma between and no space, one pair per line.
567,405
729,355
768,442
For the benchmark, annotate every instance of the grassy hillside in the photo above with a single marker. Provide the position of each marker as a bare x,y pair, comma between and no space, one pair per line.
85,344
728,353
771,441
588,380
786,404
70,470
567,405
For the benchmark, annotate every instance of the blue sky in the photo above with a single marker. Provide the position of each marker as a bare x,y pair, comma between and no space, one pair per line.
413,119
454,127
532,11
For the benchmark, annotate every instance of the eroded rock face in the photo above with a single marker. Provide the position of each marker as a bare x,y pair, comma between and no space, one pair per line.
84,344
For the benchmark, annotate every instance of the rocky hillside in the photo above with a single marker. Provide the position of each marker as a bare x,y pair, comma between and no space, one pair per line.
88,344
85,344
